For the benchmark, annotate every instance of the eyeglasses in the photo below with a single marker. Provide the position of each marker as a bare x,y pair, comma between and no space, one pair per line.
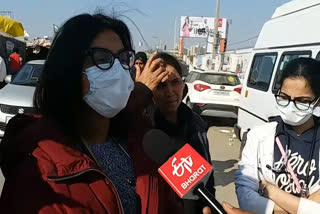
303,105
104,59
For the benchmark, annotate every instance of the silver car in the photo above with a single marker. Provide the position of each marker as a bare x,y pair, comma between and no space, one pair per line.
17,96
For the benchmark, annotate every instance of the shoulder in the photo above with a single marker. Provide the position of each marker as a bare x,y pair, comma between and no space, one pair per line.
194,120
31,136
263,131
199,122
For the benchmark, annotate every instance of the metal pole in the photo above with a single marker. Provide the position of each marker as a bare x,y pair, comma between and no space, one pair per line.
175,33
215,32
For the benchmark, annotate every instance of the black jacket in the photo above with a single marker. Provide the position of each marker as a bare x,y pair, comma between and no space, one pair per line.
192,129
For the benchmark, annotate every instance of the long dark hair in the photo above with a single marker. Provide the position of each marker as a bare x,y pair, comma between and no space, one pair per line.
58,95
306,68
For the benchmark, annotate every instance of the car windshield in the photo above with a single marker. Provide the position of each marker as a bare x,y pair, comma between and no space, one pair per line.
28,75
220,79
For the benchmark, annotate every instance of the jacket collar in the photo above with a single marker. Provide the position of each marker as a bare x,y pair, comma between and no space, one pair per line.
162,123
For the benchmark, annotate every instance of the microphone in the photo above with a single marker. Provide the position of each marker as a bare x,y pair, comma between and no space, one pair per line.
159,146
184,169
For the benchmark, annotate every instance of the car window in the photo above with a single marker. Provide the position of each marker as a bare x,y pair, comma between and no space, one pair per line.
188,78
194,77
318,56
220,79
261,71
28,75
285,58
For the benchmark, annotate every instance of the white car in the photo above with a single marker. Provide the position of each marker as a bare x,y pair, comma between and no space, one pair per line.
17,96
214,94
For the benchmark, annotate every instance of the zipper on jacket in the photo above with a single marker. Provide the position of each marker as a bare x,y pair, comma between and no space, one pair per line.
85,171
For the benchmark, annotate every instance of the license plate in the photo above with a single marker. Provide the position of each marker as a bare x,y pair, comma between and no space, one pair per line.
224,93
8,118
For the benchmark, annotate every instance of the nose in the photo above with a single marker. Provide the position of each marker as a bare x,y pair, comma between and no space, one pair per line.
169,89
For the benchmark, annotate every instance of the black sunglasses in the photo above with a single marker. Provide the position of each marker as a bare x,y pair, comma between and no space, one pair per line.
104,59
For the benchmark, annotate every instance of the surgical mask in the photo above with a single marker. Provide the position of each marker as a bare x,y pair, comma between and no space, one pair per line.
109,89
293,116
316,111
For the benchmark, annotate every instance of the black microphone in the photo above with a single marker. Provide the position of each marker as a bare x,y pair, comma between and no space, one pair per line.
160,147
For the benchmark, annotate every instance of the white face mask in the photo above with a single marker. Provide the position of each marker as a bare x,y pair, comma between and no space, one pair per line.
293,116
316,111
109,89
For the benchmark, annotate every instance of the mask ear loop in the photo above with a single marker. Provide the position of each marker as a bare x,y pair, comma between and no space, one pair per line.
316,103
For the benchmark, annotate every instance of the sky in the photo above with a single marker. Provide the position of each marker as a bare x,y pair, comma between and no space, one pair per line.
154,18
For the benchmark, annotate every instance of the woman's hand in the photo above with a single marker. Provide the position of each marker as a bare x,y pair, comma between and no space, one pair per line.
206,210
228,208
315,197
153,73
231,210
272,192
267,188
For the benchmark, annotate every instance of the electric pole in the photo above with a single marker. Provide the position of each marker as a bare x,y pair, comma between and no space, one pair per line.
216,32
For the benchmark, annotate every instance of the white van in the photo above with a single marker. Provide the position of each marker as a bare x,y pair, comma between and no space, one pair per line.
293,31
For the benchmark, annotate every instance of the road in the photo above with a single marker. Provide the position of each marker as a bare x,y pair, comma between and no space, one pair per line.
1,181
224,151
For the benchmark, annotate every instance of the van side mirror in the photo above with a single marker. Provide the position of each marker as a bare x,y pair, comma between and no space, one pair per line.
8,79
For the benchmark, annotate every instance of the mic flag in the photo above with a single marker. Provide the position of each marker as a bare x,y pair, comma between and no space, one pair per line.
184,171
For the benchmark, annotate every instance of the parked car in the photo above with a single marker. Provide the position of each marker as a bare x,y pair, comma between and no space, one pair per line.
214,94
271,54
17,96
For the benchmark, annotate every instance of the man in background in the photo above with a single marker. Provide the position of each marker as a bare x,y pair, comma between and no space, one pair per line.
15,61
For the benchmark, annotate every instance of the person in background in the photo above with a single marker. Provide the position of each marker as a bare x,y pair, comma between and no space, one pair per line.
141,59
15,61
67,160
3,72
179,122
279,168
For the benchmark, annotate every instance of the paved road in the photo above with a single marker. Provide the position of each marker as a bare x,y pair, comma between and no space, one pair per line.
224,149
1,181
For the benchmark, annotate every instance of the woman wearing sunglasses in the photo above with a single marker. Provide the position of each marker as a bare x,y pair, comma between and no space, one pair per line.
67,159
279,169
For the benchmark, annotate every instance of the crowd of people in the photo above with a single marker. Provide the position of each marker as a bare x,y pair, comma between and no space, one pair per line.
83,152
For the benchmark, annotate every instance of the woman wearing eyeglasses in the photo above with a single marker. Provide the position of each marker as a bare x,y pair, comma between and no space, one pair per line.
279,169
67,160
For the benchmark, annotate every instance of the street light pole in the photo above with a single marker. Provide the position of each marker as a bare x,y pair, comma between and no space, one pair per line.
175,33
158,42
215,32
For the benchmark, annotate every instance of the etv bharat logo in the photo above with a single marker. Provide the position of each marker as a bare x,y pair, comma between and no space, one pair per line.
178,169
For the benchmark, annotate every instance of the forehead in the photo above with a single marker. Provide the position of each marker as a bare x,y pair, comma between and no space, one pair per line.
173,73
139,61
297,87
108,40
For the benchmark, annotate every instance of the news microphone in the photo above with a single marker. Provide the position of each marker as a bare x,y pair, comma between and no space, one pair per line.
184,169
158,146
